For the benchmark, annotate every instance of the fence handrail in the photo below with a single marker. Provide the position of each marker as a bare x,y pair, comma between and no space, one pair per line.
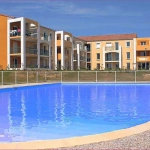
14,77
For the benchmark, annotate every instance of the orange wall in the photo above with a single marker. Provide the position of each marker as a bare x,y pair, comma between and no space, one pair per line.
3,41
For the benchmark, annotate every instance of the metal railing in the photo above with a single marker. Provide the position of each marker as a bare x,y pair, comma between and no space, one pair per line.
112,59
15,33
30,33
14,50
44,52
111,48
31,50
18,77
88,59
45,37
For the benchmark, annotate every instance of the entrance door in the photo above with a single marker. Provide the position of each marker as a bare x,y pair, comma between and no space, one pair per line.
15,47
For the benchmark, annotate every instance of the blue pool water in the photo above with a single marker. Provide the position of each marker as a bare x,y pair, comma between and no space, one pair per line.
69,110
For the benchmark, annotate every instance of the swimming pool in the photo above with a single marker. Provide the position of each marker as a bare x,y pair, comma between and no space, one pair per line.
67,110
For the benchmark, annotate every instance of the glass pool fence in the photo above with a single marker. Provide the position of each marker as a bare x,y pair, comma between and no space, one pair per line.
24,77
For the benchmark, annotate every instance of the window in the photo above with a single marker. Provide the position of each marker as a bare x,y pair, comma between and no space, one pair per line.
44,34
128,66
117,56
97,45
127,44
117,45
98,66
142,54
50,35
128,55
98,56
143,43
88,47
51,51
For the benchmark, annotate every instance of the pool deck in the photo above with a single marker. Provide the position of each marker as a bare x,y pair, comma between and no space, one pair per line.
134,137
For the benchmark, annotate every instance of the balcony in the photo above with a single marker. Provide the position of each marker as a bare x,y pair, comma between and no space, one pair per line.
31,33
142,47
111,48
88,49
32,66
58,42
59,56
75,58
14,33
15,65
112,59
45,37
44,52
44,66
68,44
143,58
16,50
82,58
88,59
31,50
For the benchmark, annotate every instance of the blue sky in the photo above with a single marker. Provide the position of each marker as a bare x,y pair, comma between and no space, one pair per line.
85,17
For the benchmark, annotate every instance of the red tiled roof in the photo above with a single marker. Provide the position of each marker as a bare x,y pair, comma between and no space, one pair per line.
7,16
110,37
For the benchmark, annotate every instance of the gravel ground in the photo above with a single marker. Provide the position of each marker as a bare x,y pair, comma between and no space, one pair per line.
138,141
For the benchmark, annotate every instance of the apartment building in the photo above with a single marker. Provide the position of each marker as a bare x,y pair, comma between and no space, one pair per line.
25,44
110,51
142,46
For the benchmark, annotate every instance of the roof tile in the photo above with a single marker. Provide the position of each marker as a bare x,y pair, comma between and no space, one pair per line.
109,37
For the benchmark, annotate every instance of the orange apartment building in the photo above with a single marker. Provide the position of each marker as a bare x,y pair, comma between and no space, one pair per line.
25,44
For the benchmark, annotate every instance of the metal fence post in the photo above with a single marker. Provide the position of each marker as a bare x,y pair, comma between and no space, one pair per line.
61,76
45,76
135,75
78,76
96,76
36,77
15,77
115,76
2,78
27,77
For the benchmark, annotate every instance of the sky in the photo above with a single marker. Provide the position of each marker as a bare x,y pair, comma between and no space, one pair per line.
85,17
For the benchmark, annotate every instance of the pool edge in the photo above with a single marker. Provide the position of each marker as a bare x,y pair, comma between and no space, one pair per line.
74,141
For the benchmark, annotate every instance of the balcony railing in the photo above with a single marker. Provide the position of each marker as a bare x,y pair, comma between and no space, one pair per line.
45,37
88,59
31,50
111,48
112,59
30,33
15,50
44,66
15,33
32,66
75,57
15,65
82,58
88,49
44,52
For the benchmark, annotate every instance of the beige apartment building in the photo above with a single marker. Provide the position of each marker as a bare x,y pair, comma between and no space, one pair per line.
25,44
110,51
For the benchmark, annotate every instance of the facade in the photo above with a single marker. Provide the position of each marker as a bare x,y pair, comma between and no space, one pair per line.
25,44
110,51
